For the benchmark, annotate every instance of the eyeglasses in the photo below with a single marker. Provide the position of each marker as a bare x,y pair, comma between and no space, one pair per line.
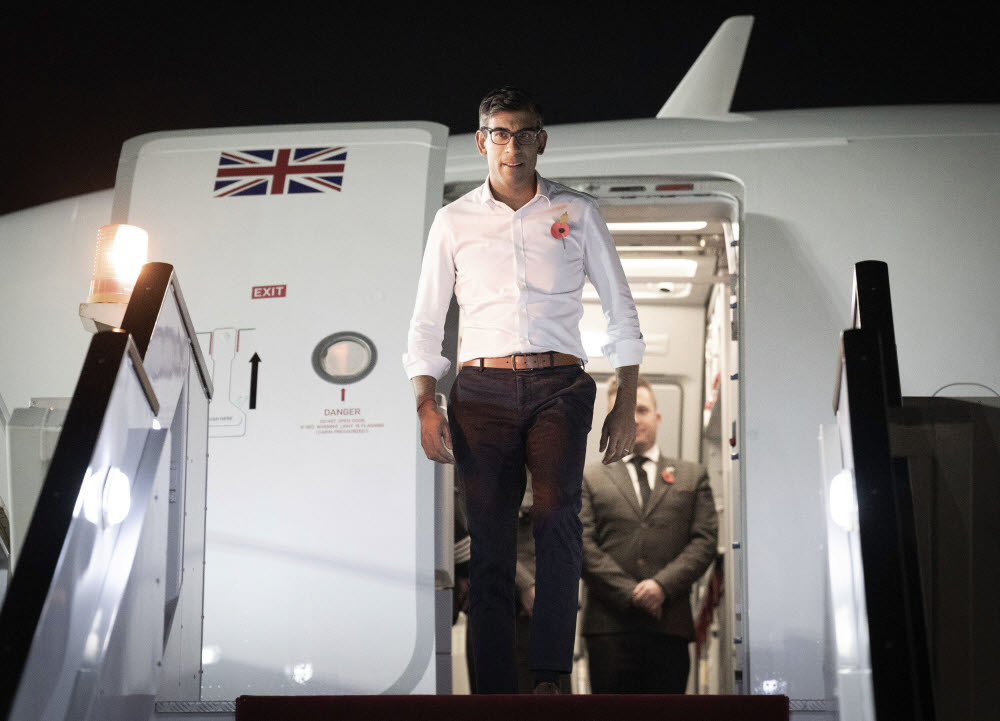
502,136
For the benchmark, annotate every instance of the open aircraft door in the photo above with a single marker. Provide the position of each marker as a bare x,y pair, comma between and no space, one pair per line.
300,247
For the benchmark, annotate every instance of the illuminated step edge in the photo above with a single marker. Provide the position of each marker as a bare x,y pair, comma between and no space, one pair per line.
809,704
195,707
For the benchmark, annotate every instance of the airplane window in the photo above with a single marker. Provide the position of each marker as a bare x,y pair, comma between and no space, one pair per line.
344,357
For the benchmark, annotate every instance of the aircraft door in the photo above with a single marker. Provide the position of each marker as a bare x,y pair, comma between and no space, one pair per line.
300,248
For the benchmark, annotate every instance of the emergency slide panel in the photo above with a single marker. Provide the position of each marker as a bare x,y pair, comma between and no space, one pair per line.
300,247
81,629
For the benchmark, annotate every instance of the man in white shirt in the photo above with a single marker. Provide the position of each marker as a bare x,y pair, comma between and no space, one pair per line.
649,533
515,252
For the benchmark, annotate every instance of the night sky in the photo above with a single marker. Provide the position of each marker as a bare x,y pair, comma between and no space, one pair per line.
77,83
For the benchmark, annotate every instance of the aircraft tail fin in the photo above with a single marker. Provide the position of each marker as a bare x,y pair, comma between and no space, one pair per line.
706,91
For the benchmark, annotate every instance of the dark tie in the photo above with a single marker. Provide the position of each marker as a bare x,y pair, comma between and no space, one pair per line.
640,474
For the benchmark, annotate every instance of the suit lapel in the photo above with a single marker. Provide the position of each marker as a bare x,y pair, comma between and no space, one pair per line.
623,482
660,487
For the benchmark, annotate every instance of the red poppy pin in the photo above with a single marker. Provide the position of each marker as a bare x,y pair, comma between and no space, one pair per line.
560,229
668,474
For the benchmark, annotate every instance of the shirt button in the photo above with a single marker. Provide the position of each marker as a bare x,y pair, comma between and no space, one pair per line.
644,525
641,562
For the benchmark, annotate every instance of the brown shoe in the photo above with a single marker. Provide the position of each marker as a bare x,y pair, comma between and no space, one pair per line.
546,687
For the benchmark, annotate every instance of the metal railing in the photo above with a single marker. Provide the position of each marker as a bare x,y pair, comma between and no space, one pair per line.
110,572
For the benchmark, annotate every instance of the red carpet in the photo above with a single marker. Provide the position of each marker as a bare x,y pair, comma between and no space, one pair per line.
512,708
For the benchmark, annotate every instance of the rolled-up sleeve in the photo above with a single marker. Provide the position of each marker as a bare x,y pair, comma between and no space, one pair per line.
434,290
625,345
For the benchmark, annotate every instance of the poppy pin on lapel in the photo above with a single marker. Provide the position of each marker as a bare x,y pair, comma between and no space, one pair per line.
560,229
668,474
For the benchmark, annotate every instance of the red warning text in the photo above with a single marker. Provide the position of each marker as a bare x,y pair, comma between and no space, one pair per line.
267,291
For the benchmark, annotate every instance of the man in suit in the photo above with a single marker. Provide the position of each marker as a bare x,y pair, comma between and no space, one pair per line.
649,533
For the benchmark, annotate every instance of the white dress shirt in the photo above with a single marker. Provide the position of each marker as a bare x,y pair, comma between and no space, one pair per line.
519,287
652,458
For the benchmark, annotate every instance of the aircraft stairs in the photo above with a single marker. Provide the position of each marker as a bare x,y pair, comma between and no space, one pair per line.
102,617
97,591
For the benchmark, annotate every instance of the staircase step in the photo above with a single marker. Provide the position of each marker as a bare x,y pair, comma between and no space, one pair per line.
508,708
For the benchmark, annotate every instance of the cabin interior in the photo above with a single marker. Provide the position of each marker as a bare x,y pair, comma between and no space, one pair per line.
678,240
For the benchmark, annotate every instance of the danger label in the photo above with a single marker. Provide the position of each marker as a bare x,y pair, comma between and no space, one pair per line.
340,421
267,291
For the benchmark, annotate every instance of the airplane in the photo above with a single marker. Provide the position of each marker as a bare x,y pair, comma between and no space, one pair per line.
299,246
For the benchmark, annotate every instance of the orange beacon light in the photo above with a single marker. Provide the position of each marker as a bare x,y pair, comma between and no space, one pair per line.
118,259
120,255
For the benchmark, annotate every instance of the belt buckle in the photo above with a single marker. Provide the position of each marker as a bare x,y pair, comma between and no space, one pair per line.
513,362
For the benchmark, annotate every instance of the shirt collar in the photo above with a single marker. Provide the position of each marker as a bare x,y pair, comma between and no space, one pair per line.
485,196
543,188
653,454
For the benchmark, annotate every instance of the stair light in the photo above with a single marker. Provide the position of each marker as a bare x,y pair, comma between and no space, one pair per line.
844,501
117,497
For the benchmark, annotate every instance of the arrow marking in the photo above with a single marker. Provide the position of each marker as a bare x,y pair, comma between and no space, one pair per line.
254,362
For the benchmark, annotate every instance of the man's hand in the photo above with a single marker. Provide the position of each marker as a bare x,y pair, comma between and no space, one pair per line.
618,433
435,436
648,595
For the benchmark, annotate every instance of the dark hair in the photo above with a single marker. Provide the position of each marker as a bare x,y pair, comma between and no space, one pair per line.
508,99
641,382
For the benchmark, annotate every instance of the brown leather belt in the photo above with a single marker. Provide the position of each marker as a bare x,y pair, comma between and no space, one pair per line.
525,361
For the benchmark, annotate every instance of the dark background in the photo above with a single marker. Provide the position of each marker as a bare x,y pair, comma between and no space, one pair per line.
78,82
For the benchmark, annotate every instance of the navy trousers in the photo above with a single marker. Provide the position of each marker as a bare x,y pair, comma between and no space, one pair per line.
501,422
638,662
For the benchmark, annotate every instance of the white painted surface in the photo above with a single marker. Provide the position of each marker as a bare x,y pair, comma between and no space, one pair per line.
824,189
46,258
319,560
706,90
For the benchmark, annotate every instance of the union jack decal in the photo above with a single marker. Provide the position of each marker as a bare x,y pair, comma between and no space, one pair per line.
278,171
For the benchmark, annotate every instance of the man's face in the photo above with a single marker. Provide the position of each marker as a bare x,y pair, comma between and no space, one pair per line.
647,419
512,166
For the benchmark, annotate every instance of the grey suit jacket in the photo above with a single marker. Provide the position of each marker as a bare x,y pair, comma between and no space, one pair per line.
673,541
